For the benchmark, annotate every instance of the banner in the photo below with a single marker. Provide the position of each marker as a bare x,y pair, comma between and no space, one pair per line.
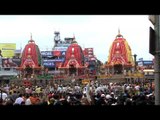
7,49
53,60
63,45
147,62
9,62
49,64
63,53
60,48
140,59
17,61
46,54
57,53
140,63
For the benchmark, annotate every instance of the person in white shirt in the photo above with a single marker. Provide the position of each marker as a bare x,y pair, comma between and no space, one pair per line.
28,101
4,96
19,100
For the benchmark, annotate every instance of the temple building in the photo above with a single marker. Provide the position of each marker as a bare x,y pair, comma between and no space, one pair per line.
120,59
31,63
90,60
74,63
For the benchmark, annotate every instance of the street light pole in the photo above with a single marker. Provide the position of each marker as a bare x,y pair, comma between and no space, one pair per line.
157,60
1,100
135,63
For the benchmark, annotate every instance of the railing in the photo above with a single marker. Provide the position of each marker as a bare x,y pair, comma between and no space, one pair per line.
8,71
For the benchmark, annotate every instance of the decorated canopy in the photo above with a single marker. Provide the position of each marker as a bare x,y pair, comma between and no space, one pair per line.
31,55
74,56
120,52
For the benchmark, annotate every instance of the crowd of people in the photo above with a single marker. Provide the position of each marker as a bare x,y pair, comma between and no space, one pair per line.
93,93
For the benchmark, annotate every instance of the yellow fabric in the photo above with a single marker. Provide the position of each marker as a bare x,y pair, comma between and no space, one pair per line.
127,51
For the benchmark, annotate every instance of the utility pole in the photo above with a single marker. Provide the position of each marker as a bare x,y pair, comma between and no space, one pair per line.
157,60
135,63
1,100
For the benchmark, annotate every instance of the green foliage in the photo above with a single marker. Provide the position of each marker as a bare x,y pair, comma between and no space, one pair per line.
47,77
39,56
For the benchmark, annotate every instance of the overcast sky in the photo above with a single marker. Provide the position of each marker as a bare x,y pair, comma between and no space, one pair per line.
96,31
